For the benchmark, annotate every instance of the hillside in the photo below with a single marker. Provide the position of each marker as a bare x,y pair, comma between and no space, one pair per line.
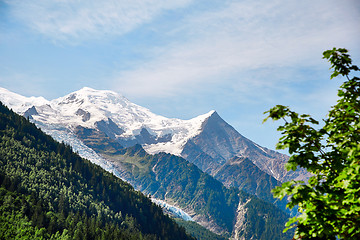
206,140
48,191
243,174
227,211
109,130
198,231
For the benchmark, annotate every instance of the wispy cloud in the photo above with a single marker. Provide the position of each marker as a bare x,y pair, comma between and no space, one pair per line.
240,38
234,44
181,58
74,20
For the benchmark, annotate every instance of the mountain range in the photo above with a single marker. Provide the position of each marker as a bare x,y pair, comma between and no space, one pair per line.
207,140
101,124
49,192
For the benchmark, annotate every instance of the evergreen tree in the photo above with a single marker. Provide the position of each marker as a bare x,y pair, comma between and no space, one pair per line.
49,192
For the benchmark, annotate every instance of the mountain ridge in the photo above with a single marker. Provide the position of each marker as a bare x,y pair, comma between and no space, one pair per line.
131,124
208,202
91,108
49,192
207,141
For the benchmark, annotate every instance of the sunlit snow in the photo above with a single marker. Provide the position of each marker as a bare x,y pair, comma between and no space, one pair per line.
100,105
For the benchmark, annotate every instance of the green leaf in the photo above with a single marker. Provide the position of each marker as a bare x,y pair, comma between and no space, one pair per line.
329,203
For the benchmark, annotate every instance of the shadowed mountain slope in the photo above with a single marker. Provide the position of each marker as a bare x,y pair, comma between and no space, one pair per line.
48,191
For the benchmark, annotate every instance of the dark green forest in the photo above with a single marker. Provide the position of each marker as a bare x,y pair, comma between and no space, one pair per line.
49,192
167,176
198,231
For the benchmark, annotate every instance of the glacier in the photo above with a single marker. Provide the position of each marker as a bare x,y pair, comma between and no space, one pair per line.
105,105
174,210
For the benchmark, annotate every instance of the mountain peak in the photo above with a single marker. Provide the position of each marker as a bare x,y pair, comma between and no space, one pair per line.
206,140
92,91
93,96
212,113
204,117
19,103
87,89
93,109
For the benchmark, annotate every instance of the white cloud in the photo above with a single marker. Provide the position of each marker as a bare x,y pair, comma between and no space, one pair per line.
83,19
242,37
205,45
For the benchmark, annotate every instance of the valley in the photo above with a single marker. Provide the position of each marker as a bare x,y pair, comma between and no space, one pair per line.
202,166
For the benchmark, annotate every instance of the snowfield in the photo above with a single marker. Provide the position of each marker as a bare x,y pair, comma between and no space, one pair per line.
87,107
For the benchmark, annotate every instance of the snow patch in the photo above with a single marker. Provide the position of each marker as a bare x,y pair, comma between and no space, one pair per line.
262,149
102,105
18,103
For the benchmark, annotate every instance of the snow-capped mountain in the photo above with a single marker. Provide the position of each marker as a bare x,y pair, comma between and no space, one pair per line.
18,103
112,113
206,140
99,124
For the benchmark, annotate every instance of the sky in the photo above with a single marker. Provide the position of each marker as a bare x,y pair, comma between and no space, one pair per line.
182,58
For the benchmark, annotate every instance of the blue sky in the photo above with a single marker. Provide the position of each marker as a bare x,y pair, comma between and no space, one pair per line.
182,58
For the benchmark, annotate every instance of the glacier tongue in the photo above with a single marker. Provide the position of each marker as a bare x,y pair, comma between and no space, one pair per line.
64,135
175,210
207,140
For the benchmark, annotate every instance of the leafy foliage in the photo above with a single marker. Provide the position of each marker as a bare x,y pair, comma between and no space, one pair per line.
49,192
330,202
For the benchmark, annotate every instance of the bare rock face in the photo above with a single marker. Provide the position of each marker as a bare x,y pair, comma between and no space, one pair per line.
109,128
30,112
207,140
99,124
84,114
240,225
218,142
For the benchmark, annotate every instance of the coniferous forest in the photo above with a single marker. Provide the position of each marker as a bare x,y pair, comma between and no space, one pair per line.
164,175
49,192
